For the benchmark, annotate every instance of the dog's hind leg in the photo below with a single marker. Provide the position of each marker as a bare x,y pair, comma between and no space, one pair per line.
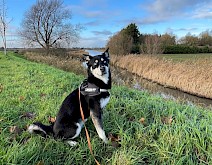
99,126
78,130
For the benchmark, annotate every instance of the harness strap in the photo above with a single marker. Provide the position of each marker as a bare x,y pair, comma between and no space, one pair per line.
90,89
86,131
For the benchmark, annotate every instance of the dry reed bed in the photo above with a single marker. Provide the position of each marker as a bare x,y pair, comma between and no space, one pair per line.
191,76
68,64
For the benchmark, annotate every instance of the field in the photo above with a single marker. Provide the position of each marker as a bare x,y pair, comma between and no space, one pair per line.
152,130
185,57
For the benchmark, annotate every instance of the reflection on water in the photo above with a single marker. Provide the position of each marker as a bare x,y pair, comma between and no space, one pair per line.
123,77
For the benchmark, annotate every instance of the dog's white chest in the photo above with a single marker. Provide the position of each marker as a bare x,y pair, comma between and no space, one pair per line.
104,101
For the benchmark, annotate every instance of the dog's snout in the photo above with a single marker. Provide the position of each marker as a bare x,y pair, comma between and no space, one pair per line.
102,68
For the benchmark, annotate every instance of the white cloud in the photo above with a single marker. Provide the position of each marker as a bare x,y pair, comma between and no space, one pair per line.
163,10
93,14
104,32
91,42
204,11
183,31
86,9
92,23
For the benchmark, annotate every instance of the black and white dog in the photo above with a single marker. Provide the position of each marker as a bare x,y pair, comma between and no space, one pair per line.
94,96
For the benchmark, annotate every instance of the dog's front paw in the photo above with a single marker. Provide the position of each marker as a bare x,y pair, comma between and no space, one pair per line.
105,140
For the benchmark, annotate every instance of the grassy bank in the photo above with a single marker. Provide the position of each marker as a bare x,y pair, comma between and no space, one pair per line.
192,76
152,130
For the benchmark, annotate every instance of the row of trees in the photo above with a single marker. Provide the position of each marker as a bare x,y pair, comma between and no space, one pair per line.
130,40
204,39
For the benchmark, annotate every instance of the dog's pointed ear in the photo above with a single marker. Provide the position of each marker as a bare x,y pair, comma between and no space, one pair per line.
87,57
106,53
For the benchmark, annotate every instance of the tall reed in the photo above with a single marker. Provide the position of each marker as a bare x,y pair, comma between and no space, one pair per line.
69,63
192,76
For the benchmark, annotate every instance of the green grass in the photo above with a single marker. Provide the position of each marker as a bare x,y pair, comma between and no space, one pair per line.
32,87
184,57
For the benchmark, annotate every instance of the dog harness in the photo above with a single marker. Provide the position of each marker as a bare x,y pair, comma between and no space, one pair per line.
90,89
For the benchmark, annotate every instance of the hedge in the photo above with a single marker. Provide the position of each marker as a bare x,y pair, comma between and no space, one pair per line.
183,49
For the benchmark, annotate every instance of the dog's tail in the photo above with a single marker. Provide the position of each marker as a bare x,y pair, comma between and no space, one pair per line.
41,129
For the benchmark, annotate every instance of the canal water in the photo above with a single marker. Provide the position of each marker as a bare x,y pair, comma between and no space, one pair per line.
123,77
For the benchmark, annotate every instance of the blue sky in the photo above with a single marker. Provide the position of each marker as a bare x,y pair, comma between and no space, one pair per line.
103,18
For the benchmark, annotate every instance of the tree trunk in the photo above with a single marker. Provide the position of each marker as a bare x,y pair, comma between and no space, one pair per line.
47,49
5,43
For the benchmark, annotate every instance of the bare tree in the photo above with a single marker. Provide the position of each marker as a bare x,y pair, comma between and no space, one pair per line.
152,44
3,25
168,39
189,40
120,44
206,38
46,23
